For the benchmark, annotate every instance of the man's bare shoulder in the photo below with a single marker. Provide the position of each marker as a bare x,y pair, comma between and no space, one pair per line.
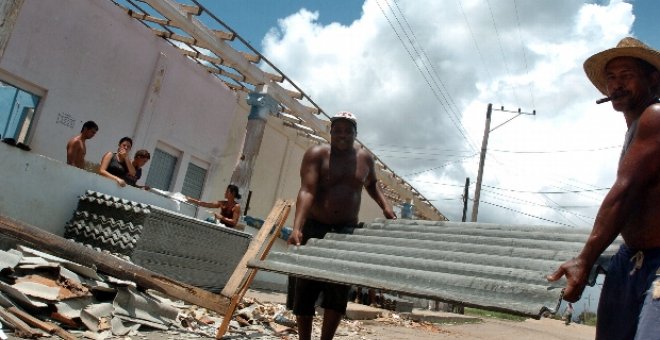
650,120
75,141
317,151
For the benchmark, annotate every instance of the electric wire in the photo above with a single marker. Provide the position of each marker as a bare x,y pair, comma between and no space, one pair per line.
445,104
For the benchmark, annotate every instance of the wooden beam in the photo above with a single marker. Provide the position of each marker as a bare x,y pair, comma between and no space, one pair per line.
232,58
234,76
174,36
224,35
242,277
149,18
275,219
112,265
253,58
274,77
293,93
201,56
191,9
44,325
21,329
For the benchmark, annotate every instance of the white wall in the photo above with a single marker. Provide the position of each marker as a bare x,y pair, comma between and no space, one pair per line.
91,61
94,62
44,192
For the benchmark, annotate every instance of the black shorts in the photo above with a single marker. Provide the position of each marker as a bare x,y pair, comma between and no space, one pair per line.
306,291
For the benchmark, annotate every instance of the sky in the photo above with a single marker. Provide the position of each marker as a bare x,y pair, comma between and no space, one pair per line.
420,74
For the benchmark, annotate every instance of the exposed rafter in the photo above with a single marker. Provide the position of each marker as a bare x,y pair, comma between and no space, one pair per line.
179,25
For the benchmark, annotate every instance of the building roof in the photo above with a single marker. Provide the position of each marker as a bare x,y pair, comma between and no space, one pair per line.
491,266
204,38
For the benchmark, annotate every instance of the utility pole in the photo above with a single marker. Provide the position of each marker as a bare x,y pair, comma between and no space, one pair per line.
484,147
466,192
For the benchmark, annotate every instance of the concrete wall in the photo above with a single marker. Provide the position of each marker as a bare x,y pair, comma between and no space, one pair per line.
44,192
88,60
91,61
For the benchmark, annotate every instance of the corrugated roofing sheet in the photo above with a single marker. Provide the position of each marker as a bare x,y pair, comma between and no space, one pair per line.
491,266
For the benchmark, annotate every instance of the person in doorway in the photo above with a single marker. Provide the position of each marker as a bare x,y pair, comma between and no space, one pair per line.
230,210
332,179
76,148
629,305
118,165
140,160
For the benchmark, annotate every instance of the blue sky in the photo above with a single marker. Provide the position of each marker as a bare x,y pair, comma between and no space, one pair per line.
253,18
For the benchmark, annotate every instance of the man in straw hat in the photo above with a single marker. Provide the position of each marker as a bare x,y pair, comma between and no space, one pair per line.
629,304
332,177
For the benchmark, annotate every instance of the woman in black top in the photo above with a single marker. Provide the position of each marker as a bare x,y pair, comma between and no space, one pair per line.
116,165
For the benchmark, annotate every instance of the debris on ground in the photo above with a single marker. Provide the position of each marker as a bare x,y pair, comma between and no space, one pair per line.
43,295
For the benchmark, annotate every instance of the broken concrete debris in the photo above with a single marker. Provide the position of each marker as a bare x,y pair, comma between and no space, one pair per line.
42,295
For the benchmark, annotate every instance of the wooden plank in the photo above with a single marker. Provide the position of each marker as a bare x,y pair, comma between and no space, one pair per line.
21,329
112,265
245,275
274,77
201,56
279,210
191,9
45,325
174,36
224,35
236,77
149,18
251,57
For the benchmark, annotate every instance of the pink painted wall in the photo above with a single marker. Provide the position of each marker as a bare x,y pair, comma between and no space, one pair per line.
94,62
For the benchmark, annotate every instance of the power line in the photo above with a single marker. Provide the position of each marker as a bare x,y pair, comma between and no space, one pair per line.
499,42
476,45
526,202
439,167
526,214
531,84
548,192
556,151
545,206
459,126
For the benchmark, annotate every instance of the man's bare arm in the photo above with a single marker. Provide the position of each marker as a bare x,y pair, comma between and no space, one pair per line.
639,166
374,191
309,179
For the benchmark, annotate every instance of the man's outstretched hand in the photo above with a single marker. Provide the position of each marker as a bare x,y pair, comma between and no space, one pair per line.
295,238
576,273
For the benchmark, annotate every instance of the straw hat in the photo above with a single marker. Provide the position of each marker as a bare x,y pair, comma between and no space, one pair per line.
594,67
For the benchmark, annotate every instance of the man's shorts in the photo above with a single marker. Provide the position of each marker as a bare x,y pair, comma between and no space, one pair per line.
629,306
306,292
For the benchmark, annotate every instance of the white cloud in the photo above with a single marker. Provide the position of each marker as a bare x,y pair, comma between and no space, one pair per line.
532,60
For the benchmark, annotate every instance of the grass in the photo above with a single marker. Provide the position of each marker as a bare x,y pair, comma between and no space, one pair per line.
491,314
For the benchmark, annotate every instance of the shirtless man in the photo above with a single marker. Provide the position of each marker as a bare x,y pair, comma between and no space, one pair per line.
629,304
76,149
332,178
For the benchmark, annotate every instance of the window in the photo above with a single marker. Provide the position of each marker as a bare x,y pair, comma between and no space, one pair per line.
17,108
193,183
161,170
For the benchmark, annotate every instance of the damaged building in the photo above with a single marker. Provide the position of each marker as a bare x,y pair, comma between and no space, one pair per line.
212,111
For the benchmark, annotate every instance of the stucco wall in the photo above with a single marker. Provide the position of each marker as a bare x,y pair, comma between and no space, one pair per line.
94,62
44,192
90,61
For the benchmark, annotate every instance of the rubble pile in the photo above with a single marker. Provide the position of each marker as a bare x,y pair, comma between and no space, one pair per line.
43,295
